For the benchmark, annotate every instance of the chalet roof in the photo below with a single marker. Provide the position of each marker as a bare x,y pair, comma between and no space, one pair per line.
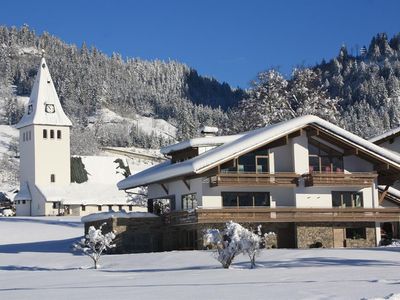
200,142
385,136
249,141
44,93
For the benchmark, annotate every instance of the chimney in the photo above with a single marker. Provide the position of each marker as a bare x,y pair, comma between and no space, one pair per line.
208,131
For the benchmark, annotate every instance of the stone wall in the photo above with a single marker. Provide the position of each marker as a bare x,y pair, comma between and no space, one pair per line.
311,234
150,234
133,234
369,241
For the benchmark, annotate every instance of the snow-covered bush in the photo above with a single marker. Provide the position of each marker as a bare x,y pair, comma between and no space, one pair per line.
233,240
95,243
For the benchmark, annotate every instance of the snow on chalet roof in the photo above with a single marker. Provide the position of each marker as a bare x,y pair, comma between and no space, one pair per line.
44,107
385,136
245,143
200,142
119,214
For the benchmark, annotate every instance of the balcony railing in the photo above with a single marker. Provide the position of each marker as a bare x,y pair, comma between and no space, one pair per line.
362,179
282,214
254,179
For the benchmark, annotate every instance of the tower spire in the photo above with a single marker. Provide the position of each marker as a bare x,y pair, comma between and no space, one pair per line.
44,107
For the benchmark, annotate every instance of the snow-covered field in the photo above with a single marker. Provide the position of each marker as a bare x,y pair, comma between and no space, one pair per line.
36,262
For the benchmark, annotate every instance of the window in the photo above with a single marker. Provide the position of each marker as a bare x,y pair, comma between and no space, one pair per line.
45,133
189,201
29,135
160,206
83,207
58,134
54,205
110,207
30,109
52,178
23,137
130,207
356,233
347,199
256,161
99,207
23,201
119,207
323,159
52,134
245,199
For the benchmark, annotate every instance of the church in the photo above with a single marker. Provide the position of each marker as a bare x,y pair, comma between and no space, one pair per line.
45,162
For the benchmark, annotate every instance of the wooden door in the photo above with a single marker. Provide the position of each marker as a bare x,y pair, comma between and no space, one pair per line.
338,237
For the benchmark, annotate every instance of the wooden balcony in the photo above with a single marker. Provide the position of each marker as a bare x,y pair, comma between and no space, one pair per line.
282,214
359,179
254,179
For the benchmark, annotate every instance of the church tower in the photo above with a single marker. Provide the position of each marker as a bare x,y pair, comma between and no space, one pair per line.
44,139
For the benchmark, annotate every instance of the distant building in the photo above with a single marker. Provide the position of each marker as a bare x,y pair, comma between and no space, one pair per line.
307,180
45,162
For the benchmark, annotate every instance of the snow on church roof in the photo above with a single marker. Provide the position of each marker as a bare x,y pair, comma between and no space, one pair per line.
248,142
44,107
103,173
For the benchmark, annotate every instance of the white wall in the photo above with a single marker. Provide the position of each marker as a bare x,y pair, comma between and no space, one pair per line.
177,188
354,163
280,196
300,154
395,146
27,156
283,158
52,156
321,197
23,209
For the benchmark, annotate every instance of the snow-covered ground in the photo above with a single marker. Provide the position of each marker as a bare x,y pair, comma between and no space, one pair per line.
36,262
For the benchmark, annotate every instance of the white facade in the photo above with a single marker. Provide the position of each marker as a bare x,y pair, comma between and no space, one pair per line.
292,157
44,147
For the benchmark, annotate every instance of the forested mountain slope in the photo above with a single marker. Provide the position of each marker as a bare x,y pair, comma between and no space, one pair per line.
88,80
360,93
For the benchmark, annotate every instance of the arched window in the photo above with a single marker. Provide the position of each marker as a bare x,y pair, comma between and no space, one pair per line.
52,134
52,178
45,133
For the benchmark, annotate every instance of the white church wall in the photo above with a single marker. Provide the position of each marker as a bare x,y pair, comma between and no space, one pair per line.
23,208
52,156
27,155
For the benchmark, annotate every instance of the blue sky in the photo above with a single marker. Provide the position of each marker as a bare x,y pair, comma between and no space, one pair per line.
230,40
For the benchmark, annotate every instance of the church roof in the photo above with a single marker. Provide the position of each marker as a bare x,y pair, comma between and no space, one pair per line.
44,107
24,193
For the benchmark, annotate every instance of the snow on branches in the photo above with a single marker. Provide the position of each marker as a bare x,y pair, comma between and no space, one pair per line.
232,241
95,243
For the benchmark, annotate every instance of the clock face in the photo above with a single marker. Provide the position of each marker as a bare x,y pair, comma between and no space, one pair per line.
50,108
